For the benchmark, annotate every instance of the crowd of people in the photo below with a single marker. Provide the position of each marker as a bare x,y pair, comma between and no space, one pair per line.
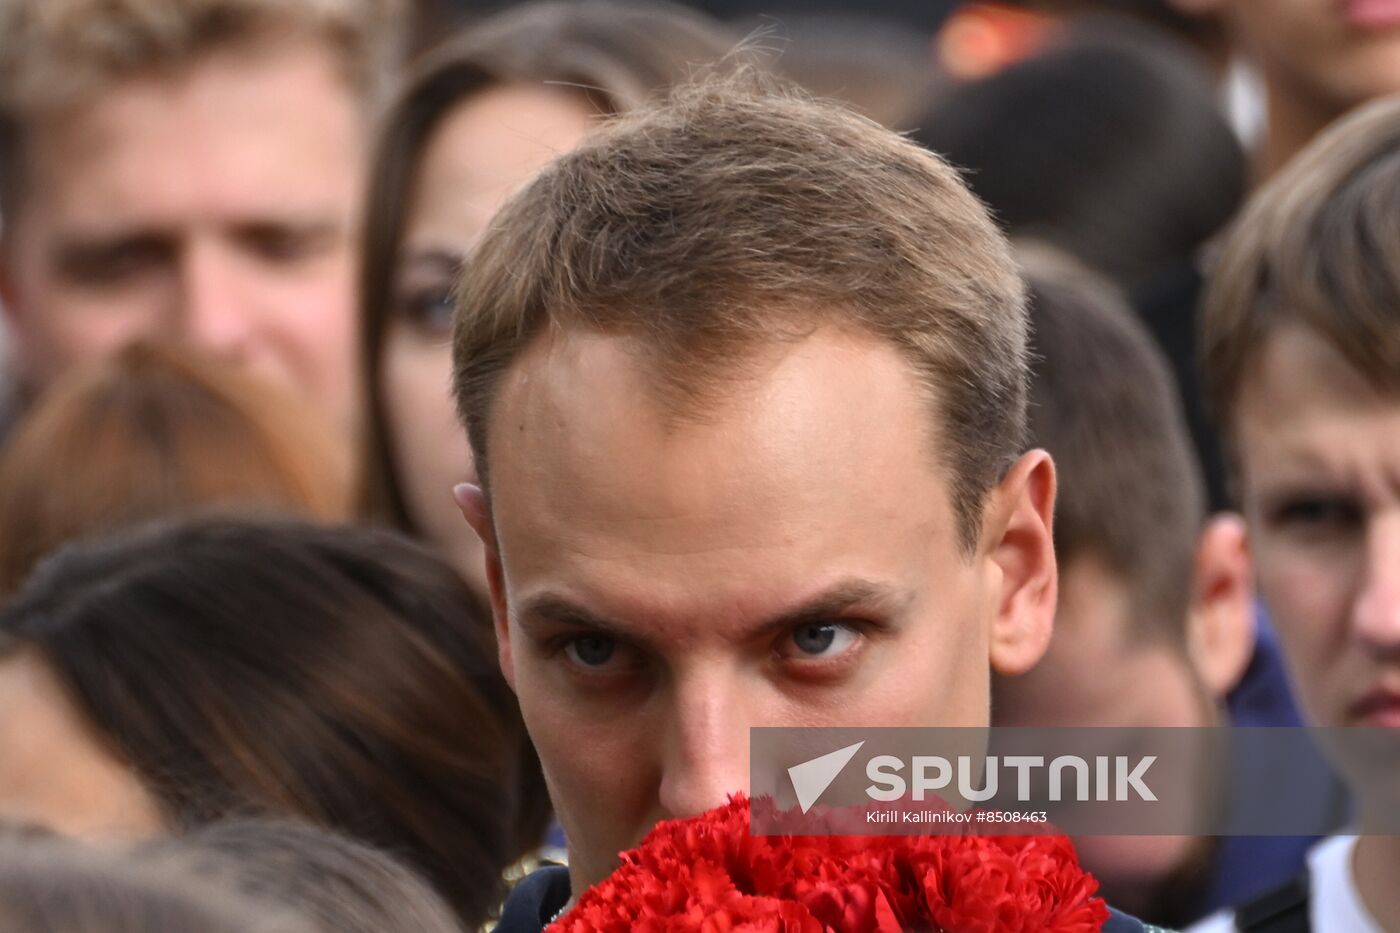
435,440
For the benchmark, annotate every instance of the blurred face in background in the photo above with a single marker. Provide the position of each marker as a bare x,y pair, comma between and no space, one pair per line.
56,770
661,584
481,151
1138,681
1319,466
1332,54
214,206
1146,674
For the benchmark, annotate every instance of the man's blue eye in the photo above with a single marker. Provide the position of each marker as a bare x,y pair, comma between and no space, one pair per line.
592,650
819,641
815,638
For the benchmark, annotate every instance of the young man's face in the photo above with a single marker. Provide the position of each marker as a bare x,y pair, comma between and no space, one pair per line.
1320,470
214,206
788,557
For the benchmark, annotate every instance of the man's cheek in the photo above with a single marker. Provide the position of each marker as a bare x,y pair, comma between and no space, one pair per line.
1308,612
604,784
87,329
576,746
1303,601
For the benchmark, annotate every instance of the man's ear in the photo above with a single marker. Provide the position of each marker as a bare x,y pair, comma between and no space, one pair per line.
472,501
1018,538
1221,625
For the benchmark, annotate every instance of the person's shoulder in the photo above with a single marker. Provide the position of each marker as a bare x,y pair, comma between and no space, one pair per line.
1336,902
1323,895
1220,922
540,895
1119,922
535,900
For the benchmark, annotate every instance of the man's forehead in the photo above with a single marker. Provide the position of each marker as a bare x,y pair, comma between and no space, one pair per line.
1303,408
277,126
1298,378
594,383
834,423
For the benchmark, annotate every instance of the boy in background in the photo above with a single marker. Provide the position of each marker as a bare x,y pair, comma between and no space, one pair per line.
1155,597
1301,353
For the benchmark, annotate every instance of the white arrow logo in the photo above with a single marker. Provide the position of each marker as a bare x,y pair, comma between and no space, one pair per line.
811,778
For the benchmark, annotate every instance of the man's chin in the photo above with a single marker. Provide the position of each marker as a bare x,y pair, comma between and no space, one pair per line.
586,871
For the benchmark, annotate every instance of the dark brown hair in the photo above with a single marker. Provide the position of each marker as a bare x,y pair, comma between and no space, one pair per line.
152,432
342,676
1317,247
740,213
1109,145
1103,404
615,54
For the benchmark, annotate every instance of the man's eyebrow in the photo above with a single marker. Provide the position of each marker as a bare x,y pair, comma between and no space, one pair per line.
844,597
307,226
830,604
82,253
81,242
549,608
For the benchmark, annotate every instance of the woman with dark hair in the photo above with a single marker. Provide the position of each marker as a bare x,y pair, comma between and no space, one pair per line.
165,678
476,121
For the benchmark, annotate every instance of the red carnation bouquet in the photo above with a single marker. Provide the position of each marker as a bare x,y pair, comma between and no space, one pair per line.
709,874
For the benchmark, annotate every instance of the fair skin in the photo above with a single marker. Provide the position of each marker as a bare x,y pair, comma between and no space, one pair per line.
661,584
483,150
1139,682
1318,59
55,770
1320,478
214,206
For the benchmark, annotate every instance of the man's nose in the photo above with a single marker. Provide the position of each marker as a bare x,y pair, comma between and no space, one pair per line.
215,315
705,755
1376,617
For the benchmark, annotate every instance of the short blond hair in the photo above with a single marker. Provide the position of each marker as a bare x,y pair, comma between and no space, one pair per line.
1317,247
740,213
56,55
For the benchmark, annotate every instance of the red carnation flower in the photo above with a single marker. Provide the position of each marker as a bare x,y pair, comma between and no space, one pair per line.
709,874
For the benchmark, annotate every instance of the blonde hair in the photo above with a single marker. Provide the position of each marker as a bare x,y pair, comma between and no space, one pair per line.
739,213
56,55
1317,247
150,433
